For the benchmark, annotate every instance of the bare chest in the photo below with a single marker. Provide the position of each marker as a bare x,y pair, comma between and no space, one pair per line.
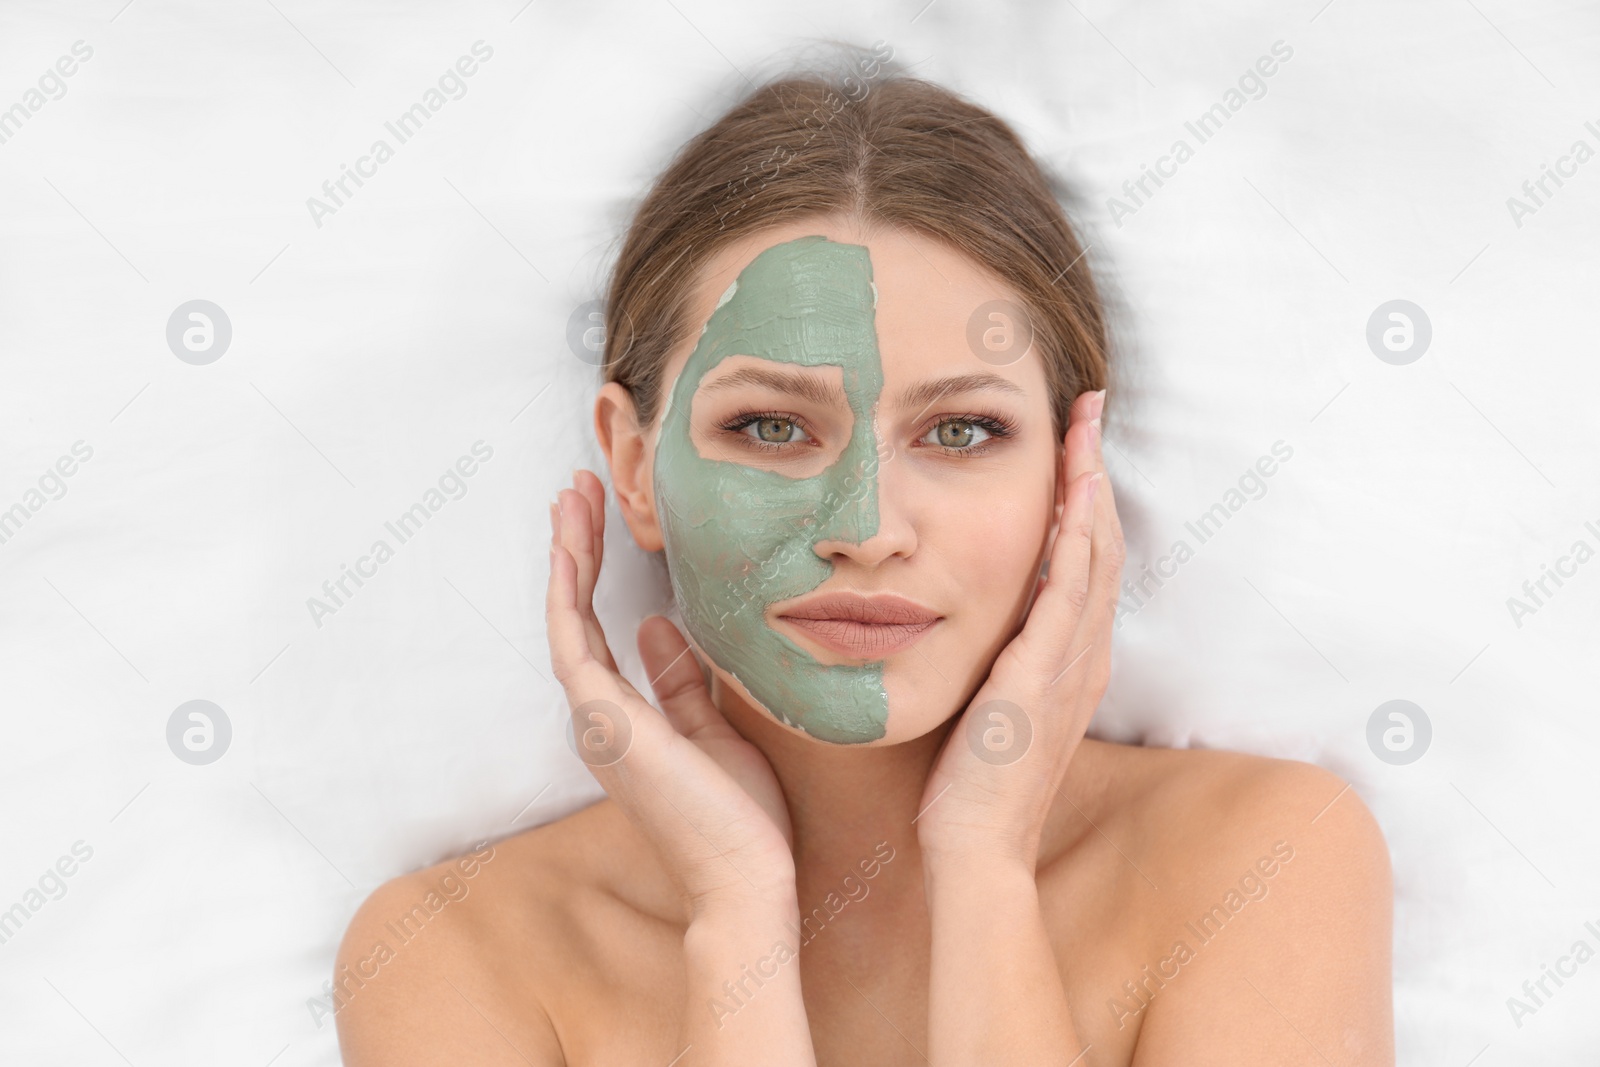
864,976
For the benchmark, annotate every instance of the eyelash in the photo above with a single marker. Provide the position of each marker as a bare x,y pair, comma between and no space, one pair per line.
998,426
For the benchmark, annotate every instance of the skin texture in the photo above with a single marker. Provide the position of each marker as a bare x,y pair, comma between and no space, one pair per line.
1030,908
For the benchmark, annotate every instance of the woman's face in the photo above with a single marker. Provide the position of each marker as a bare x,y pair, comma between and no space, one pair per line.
854,502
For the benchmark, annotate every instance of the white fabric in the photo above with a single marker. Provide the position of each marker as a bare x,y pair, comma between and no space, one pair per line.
430,311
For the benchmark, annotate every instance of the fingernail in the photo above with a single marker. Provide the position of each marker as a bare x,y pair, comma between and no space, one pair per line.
1094,434
1098,405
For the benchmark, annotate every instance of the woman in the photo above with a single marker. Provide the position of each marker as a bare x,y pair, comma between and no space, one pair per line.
855,375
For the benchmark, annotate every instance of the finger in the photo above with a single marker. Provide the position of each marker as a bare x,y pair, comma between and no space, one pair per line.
594,491
1048,633
1078,454
576,533
1082,452
676,679
578,652
1050,642
570,653
584,671
1108,553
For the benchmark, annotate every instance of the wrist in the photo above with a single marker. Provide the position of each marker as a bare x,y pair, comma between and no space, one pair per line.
992,885
727,934
734,909
743,1001
960,852
949,865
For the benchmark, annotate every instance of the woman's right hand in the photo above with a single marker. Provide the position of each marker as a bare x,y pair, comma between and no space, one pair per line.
704,796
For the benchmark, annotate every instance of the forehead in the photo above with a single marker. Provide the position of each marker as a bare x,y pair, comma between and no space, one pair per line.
927,295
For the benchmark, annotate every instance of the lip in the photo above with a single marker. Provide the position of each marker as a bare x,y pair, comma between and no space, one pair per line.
863,627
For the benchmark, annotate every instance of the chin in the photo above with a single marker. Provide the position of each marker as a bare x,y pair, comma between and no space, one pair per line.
898,731
933,713
908,729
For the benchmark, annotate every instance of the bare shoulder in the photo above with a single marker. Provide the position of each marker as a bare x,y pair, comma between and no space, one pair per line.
1269,909
1233,794
1191,807
468,958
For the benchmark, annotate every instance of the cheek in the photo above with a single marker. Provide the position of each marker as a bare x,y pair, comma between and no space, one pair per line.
736,543
998,556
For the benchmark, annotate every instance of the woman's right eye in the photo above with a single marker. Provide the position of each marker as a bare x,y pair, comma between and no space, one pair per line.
773,431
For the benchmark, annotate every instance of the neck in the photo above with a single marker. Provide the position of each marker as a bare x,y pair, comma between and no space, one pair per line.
843,800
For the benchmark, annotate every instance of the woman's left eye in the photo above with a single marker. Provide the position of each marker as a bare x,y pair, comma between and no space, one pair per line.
957,434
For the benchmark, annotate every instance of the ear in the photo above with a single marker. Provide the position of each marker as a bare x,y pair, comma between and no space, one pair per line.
629,455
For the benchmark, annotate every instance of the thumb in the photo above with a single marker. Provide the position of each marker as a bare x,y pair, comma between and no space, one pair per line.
675,676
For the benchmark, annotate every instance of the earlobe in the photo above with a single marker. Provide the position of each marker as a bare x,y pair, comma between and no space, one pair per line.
628,454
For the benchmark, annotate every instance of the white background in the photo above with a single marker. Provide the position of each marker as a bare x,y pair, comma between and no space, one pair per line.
431,312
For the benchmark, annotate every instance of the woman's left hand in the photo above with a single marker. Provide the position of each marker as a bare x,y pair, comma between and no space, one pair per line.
1002,765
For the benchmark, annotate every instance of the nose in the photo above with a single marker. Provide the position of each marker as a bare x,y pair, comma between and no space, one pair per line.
877,525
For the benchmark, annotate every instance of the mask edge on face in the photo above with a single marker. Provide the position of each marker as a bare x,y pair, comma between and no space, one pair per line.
823,295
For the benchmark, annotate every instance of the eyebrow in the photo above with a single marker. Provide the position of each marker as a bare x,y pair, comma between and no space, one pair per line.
929,393
824,393
806,386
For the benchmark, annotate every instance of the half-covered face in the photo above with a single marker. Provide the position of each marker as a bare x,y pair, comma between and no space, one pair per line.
854,501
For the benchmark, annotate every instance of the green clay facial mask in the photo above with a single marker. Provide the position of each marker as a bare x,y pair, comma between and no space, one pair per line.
740,538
